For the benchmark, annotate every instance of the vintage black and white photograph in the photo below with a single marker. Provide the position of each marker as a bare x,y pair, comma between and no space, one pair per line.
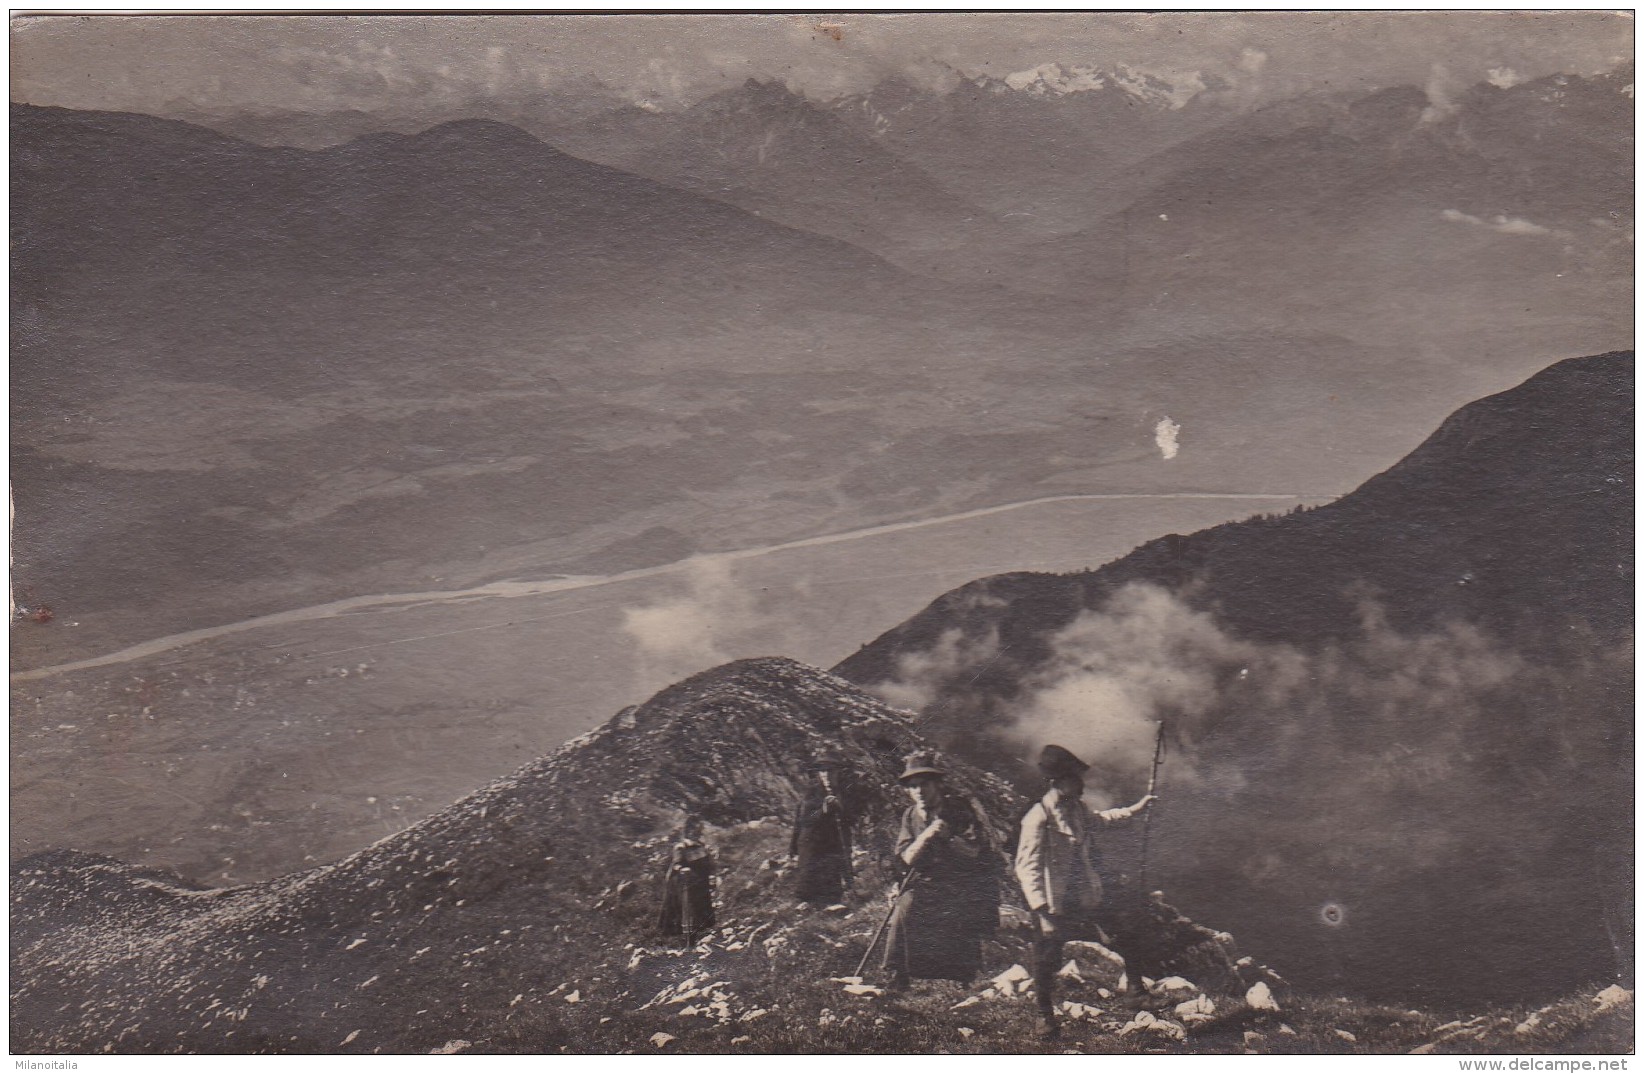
1095,533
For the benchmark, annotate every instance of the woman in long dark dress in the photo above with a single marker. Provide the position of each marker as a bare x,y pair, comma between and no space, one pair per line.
687,889
821,843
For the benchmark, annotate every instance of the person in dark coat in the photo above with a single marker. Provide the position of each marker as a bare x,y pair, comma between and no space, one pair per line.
1057,865
687,888
821,843
950,898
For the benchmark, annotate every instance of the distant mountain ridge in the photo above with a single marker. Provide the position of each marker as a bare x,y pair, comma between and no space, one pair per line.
466,268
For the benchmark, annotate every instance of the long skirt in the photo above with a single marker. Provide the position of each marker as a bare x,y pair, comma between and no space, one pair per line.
687,906
821,875
933,934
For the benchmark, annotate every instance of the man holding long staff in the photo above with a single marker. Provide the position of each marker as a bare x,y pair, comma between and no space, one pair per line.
1056,864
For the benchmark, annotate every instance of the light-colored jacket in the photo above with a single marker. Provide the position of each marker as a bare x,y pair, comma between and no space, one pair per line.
1053,853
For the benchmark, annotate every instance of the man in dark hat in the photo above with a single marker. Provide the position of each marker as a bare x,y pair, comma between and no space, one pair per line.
949,898
1056,864
821,843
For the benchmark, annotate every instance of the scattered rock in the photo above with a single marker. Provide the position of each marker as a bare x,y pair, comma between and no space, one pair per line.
966,1032
1011,979
1174,986
574,997
1197,1009
741,1040
1530,1024
452,1047
1346,1036
1613,996
968,1001
1095,963
661,1040
1260,997
1144,1022
350,1038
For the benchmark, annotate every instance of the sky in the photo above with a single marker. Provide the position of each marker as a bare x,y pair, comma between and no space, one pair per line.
324,63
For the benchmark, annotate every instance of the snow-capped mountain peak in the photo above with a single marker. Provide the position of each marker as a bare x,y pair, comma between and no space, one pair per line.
1053,79
1171,90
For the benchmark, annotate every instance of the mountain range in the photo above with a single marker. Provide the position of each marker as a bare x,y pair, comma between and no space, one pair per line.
345,335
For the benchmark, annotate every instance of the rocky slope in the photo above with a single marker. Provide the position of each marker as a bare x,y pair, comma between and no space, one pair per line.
431,933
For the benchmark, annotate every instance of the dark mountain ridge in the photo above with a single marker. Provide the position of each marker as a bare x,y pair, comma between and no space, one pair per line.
474,193
1445,533
1444,653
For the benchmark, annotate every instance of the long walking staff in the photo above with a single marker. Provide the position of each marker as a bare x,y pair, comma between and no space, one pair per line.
903,886
1147,821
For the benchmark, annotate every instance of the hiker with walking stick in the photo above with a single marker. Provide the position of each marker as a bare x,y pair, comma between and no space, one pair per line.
1056,864
937,920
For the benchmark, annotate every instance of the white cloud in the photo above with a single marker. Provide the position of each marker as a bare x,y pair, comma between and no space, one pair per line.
1506,225
921,675
1252,60
1441,89
690,633
1164,434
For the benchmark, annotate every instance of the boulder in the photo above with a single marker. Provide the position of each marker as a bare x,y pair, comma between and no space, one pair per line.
1094,964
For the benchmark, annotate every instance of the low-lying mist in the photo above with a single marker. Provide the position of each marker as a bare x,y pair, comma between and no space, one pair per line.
1433,815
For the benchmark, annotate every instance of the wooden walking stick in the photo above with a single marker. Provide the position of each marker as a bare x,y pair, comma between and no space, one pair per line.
1147,821
907,878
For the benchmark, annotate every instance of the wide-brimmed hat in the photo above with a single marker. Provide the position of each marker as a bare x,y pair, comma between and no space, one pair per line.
922,763
1056,762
